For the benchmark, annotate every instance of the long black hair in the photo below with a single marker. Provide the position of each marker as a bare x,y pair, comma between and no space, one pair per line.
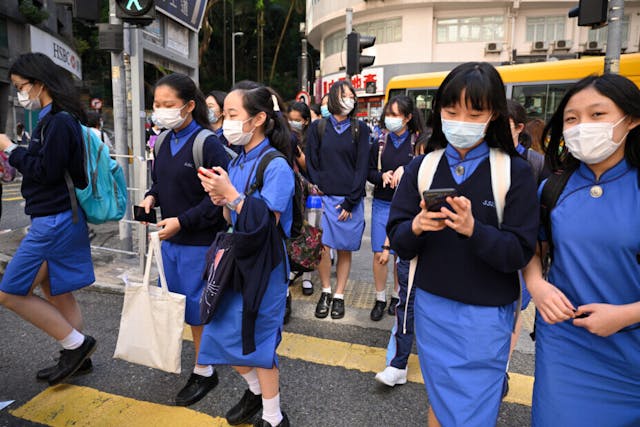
39,68
483,90
257,98
622,92
219,96
187,91
335,93
405,107
518,114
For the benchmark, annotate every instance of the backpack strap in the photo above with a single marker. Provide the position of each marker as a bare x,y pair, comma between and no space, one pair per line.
322,127
500,179
551,192
198,147
425,178
262,166
159,140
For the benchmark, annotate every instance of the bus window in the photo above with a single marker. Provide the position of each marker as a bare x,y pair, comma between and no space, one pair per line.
423,100
394,92
539,100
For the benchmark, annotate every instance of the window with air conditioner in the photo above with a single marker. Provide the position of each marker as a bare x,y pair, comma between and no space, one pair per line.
493,47
600,35
562,45
539,45
545,28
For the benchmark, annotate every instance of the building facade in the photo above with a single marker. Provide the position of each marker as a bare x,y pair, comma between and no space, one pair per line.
32,26
415,36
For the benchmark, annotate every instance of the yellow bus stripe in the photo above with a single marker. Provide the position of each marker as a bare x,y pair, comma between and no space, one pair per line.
66,405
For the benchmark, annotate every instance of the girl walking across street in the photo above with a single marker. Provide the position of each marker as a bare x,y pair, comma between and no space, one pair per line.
337,162
190,220
403,126
467,260
246,327
588,309
55,254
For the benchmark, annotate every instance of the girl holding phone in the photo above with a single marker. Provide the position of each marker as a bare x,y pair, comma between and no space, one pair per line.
466,275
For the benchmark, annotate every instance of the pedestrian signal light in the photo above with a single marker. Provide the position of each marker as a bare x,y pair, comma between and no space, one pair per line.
590,13
356,43
136,12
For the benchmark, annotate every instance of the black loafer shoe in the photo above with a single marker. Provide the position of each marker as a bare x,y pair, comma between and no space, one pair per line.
378,310
287,310
245,410
263,423
392,306
337,308
44,374
505,385
323,306
196,388
71,360
307,290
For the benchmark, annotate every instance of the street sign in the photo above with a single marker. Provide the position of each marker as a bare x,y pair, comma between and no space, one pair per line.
303,96
189,13
96,104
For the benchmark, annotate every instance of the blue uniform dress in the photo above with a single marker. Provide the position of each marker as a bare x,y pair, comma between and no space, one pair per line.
222,337
53,236
583,379
400,342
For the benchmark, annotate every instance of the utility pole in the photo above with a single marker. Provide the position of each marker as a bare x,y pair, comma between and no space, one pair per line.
120,119
349,17
304,67
614,37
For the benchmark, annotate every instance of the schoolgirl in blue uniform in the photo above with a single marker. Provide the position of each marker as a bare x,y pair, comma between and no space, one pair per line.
252,122
466,274
55,253
588,310
190,220
403,126
338,165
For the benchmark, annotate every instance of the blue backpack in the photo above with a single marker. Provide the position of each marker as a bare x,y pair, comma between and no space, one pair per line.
105,197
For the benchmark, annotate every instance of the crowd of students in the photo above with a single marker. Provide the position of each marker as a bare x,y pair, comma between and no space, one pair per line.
463,266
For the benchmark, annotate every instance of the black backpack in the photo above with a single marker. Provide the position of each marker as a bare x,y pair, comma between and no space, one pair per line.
298,197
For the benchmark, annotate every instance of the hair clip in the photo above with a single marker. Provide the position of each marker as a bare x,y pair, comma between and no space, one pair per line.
276,106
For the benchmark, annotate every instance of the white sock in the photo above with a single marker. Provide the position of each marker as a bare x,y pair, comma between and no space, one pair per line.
203,371
338,296
287,291
395,294
306,276
326,290
271,410
251,378
381,296
72,341
292,275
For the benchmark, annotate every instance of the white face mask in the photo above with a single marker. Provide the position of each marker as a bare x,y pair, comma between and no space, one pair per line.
212,116
393,124
295,125
27,103
347,105
232,130
592,143
463,135
169,118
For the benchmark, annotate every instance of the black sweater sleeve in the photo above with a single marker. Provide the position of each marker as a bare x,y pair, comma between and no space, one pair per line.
373,176
362,165
204,213
311,153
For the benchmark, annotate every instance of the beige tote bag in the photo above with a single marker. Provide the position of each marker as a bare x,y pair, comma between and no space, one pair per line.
152,320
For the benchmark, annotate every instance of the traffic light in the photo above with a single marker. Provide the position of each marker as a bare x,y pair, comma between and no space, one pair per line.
590,13
136,12
355,60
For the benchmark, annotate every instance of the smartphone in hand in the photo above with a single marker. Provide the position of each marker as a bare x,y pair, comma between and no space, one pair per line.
436,198
140,215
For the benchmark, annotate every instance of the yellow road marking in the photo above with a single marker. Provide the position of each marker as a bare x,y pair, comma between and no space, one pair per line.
66,405
371,359
11,199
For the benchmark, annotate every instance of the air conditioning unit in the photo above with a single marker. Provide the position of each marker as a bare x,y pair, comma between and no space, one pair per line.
493,47
594,46
540,46
562,45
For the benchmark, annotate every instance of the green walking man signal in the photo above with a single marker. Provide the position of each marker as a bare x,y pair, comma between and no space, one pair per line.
136,12
133,3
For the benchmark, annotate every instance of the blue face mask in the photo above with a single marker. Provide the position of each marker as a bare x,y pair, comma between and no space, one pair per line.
393,124
324,111
463,135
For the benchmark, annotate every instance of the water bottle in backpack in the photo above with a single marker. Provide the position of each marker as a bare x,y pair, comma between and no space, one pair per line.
314,210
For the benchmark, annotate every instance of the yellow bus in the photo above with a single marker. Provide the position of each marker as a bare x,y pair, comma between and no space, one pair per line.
538,86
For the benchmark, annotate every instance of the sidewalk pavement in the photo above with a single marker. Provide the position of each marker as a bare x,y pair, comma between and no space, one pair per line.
110,269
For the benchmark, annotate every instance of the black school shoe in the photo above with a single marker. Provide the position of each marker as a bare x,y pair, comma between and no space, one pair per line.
392,306
247,408
337,308
378,310
263,423
323,306
287,310
85,368
505,385
71,360
196,388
